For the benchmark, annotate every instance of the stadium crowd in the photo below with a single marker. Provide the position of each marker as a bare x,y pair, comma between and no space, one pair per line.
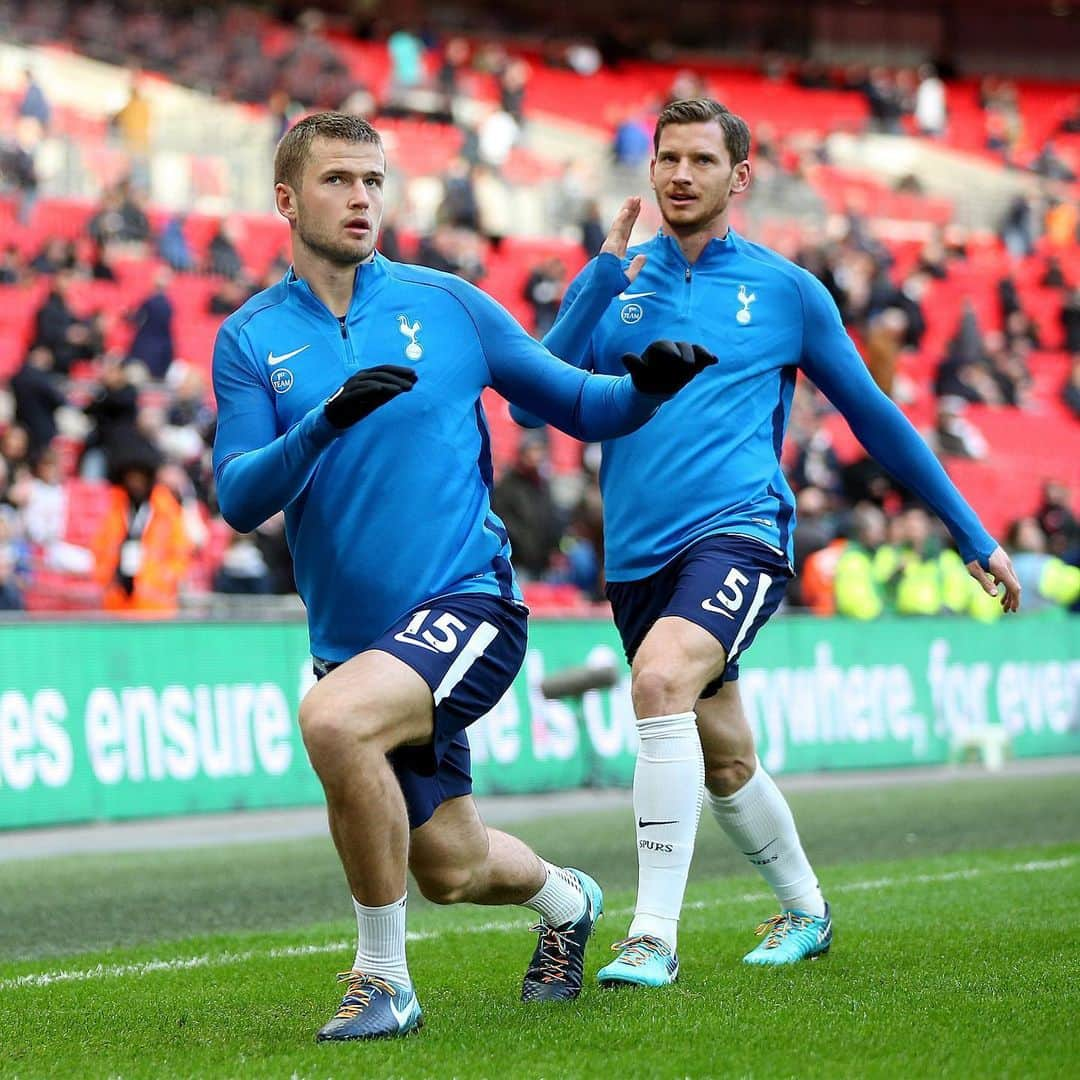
83,412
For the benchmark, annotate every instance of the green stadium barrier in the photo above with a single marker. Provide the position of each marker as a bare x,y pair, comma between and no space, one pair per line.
121,720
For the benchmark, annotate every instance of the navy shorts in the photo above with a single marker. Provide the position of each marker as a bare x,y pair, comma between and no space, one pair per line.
468,649
728,585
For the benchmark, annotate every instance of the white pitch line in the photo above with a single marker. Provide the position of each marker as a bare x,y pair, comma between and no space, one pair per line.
204,960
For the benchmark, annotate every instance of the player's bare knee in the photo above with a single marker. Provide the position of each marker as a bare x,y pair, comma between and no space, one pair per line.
328,729
727,775
657,690
446,885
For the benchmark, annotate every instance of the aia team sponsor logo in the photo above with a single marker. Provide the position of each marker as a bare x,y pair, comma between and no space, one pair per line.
281,379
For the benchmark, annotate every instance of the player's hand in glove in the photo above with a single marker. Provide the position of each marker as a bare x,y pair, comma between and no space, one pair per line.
362,393
667,366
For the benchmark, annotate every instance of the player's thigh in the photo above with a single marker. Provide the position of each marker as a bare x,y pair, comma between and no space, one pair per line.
372,696
677,658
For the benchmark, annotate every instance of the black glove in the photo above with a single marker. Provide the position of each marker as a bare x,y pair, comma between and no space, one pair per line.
365,391
667,366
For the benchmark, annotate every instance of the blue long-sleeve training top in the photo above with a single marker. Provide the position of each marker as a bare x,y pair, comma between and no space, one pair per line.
709,462
395,510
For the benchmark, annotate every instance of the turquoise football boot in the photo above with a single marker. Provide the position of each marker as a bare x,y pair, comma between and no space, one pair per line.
372,1008
792,936
642,961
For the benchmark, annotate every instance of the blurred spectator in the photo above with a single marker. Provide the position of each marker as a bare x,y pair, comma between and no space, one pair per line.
18,171
1058,522
522,499
133,124
37,395
1062,222
231,294
498,132
1050,164
593,229
930,108
1020,226
955,436
884,101
544,291
816,525
13,268
12,581
222,254
55,254
45,514
631,145
406,61
58,329
924,579
120,221
274,546
101,264
1047,581
967,370
1053,276
455,251
173,246
1070,393
141,552
243,570
859,578
583,543
494,213
34,104
282,111
449,79
512,83
583,58
15,451
153,341
458,205
192,511
112,411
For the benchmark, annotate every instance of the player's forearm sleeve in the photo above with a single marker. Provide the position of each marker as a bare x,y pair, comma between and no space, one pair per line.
588,407
255,485
831,360
585,302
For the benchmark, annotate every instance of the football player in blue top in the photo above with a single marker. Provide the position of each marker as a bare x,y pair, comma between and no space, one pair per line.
349,396
698,518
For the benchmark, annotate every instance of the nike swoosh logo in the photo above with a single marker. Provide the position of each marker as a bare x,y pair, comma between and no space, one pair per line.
271,359
402,1016
635,295
645,824
761,849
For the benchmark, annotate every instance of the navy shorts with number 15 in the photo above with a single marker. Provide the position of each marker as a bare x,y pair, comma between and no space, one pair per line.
727,585
468,648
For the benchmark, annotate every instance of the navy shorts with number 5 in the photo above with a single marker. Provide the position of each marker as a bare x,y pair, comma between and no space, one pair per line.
727,585
468,648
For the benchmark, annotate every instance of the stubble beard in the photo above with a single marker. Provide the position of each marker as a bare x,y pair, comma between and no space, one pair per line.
334,251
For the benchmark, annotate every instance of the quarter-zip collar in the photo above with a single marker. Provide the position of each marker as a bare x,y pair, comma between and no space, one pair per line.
370,277
712,254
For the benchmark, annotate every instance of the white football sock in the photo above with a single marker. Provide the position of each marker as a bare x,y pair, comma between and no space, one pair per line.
759,822
560,900
381,941
669,782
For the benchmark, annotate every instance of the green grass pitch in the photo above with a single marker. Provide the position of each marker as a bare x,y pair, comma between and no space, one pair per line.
957,954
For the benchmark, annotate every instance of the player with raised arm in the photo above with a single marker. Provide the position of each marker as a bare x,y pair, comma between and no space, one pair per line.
349,396
698,518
